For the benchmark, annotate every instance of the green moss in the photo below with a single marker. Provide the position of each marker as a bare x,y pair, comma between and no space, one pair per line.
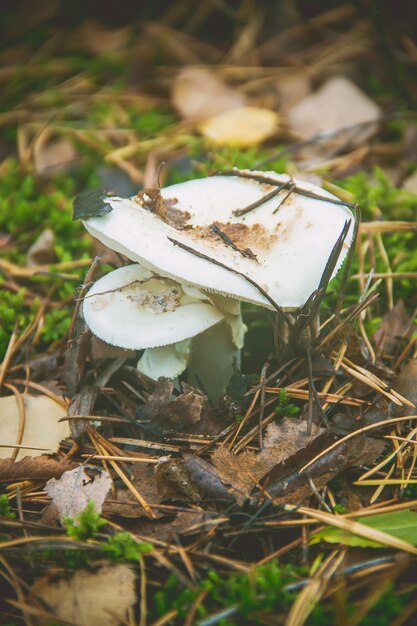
123,547
27,208
13,311
249,596
284,407
5,509
86,525
378,198
150,123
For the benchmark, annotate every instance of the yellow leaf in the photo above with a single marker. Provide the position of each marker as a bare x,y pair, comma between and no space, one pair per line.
245,126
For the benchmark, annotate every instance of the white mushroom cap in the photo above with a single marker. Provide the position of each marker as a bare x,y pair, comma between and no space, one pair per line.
134,308
286,248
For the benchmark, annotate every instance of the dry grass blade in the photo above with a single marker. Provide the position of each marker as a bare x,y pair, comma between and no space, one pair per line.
22,419
166,619
314,590
387,227
379,382
356,528
43,615
303,394
9,354
366,378
28,272
100,442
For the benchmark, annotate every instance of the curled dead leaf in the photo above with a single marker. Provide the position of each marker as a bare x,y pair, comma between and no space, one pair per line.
42,250
75,489
242,471
198,94
33,423
336,104
101,598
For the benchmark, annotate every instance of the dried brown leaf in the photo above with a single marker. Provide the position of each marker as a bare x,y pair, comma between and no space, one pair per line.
183,523
124,503
282,441
160,396
76,356
394,325
183,411
289,484
82,404
41,426
54,156
198,94
42,250
75,489
338,103
175,480
101,598
406,385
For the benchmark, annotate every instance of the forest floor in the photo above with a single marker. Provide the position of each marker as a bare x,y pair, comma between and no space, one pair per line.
130,501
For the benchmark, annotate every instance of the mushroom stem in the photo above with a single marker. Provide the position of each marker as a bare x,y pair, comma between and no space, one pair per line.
215,354
213,360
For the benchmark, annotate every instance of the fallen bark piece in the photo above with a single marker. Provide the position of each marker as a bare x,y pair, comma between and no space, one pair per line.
101,598
75,489
33,468
33,423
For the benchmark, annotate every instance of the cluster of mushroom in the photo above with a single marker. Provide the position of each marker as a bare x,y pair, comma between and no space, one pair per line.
200,248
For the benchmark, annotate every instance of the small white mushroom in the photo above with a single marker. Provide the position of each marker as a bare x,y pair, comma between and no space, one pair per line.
282,245
132,307
135,308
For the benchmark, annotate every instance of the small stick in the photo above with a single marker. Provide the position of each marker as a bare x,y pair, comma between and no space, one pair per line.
272,181
285,198
201,255
262,407
257,203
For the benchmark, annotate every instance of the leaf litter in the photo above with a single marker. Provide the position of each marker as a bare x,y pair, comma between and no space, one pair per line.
101,598
246,484
72,492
